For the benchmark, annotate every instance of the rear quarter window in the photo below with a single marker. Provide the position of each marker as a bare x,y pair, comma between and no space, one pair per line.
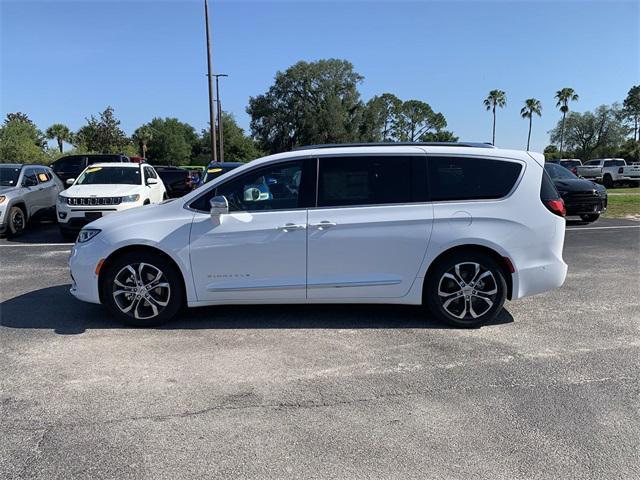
467,178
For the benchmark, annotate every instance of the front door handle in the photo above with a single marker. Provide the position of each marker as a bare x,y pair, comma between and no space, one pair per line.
289,227
324,225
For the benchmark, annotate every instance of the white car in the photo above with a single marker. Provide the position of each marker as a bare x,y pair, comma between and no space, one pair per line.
610,171
460,227
105,188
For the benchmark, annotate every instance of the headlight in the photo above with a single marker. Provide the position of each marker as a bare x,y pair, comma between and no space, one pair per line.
62,200
2,198
87,234
131,198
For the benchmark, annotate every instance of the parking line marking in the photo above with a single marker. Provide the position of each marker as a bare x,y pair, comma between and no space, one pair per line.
36,244
603,228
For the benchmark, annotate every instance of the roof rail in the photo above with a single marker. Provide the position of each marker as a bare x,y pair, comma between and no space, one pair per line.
396,144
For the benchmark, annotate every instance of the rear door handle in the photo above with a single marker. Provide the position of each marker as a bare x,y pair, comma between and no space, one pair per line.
288,227
324,225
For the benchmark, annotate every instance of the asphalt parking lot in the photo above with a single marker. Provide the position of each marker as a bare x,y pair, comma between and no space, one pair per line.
550,390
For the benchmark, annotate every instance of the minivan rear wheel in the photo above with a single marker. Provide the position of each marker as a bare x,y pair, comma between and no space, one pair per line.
466,289
142,289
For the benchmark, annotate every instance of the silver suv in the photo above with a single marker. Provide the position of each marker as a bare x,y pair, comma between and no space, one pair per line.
26,192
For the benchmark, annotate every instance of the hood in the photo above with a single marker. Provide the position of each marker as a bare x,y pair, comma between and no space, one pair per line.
98,190
10,189
576,185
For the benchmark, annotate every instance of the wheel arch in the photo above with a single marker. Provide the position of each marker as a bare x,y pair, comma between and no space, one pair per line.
137,248
503,262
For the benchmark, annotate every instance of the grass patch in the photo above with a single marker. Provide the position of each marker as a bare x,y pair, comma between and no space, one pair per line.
625,205
624,190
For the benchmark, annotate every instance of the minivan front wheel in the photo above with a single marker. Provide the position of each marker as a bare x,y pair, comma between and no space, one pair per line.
466,289
142,289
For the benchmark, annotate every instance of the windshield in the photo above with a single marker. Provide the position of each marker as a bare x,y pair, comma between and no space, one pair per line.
9,176
110,175
556,172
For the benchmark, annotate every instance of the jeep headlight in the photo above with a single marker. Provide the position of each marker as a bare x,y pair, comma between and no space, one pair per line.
62,200
87,234
131,198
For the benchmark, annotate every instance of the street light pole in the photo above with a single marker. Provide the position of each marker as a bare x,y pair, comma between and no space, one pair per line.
212,115
220,127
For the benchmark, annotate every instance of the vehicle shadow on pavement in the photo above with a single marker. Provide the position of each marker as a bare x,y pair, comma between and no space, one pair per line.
45,232
54,309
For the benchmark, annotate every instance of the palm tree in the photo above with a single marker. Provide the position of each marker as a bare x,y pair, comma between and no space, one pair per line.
60,133
496,98
564,96
531,106
143,136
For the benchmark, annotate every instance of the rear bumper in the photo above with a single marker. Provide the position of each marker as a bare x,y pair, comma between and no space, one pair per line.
540,278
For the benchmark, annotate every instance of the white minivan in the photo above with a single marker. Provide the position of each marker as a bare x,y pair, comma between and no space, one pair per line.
457,227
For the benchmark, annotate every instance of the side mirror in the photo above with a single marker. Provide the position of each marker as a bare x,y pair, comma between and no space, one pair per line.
70,181
152,181
219,206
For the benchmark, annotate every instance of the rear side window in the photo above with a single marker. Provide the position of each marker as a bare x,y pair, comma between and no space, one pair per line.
374,180
459,178
548,189
68,164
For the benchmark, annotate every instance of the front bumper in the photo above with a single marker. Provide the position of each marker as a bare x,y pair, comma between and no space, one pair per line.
82,266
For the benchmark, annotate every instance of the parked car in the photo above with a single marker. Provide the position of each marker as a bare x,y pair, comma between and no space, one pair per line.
459,227
72,165
27,192
581,197
571,164
105,188
610,171
176,180
217,169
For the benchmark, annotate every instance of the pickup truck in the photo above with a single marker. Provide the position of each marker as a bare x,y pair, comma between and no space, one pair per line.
610,171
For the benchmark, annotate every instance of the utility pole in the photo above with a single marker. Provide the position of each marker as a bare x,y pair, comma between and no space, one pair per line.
220,127
212,115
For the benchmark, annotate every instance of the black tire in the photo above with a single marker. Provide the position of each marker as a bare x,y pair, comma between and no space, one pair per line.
462,293
16,221
607,181
590,217
167,302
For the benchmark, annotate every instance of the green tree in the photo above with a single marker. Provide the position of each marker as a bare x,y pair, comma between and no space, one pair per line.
378,118
173,142
563,97
631,109
60,133
551,152
21,141
600,133
310,102
495,99
238,147
439,136
102,135
142,136
531,107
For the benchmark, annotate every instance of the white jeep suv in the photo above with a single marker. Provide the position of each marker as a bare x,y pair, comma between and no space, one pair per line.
458,227
104,188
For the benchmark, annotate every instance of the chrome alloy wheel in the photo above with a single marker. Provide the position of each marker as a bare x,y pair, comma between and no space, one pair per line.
467,291
141,290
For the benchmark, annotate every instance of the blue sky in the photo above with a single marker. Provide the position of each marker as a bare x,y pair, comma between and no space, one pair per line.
63,61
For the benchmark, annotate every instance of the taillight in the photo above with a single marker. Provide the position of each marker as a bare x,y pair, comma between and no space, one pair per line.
557,207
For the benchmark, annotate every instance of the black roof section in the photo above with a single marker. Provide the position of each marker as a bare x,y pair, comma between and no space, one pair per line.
397,144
